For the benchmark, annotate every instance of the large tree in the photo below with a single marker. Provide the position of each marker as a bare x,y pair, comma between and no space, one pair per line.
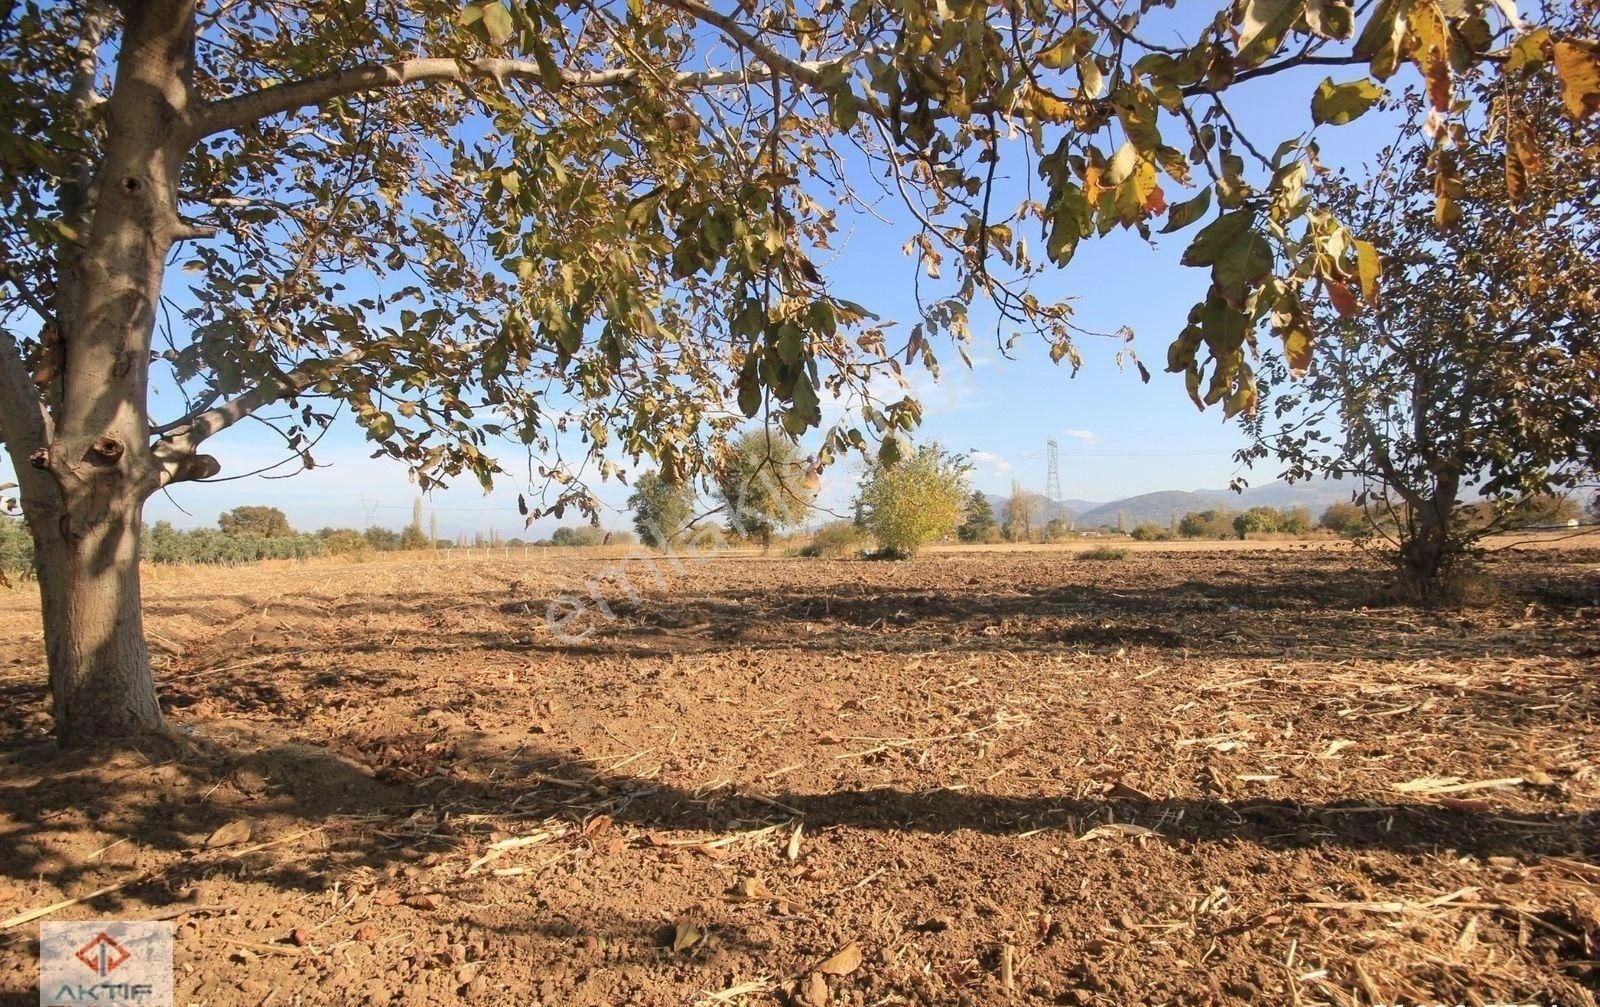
255,520
661,510
461,222
917,500
765,484
1476,374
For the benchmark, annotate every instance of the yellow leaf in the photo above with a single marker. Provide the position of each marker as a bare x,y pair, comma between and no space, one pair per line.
1522,158
1447,192
1529,50
1048,107
1578,63
1368,269
685,936
844,962
232,834
1430,50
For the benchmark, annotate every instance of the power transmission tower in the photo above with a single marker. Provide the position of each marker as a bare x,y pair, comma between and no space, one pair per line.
1052,480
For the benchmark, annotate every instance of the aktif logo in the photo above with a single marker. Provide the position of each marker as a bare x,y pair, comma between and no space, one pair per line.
103,954
122,962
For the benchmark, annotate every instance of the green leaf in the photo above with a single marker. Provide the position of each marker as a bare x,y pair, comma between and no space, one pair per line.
1528,51
1214,239
1338,104
790,343
891,450
1239,257
806,403
1330,18
749,389
1183,214
844,107
1070,223
1382,40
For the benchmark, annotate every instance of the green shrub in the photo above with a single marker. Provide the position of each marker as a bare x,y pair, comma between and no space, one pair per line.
916,501
1206,524
1104,554
835,540
1346,520
16,548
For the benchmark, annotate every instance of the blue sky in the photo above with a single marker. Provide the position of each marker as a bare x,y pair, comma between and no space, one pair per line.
1118,436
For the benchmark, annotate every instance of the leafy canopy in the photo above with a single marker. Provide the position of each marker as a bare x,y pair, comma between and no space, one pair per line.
765,484
918,500
661,510
254,520
979,522
607,222
1477,371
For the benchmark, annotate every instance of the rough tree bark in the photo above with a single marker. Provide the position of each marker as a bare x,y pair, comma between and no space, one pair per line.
1427,550
84,456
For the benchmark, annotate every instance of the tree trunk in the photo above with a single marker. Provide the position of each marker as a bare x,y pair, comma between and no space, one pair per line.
1428,550
100,679
81,445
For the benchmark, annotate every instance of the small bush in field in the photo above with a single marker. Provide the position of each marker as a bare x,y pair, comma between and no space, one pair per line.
834,540
1104,554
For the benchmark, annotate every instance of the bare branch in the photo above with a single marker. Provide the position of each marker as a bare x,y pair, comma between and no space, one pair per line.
777,63
176,460
233,113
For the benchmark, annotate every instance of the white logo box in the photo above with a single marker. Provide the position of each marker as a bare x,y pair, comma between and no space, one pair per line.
105,961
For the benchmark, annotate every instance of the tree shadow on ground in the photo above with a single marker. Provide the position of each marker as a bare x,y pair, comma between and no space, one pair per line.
163,805
376,810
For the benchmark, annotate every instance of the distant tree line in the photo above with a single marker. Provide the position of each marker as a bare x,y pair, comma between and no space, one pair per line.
251,533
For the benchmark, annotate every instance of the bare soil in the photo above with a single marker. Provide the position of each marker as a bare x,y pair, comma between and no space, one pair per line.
1204,777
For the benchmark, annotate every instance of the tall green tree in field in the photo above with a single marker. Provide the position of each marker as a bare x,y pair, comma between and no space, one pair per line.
268,522
467,224
979,518
765,485
915,501
1476,374
661,510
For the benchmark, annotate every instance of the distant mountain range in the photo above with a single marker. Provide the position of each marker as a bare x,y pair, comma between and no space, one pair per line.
1159,507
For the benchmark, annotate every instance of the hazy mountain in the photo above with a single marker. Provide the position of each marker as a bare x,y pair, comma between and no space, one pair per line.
1313,493
1152,508
1066,510
1159,507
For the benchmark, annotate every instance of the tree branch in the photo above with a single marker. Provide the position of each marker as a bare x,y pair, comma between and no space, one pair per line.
236,112
1268,69
175,451
25,424
776,62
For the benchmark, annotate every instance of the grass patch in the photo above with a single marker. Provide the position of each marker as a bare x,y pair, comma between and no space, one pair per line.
1104,554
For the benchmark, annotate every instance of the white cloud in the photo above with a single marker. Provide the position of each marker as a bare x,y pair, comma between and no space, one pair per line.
991,462
1082,436
955,392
